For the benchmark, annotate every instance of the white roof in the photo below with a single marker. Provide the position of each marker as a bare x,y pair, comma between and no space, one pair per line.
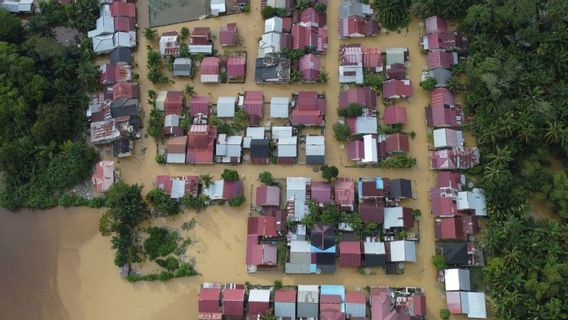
393,217
229,146
253,133
300,246
175,157
276,3
171,120
288,147
178,188
259,295
472,200
457,279
308,288
17,6
270,43
273,24
403,250
296,190
161,99
281,132
105,25
279,107
370,144
103,44
215,190
226,107
475,305
200,48
105,10
446,137
168,41
357,78
373,247
125,39
395,55
218,6
366,125
315,145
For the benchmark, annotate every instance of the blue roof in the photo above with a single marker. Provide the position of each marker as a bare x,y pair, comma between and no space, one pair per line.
335,290
318,250
380,184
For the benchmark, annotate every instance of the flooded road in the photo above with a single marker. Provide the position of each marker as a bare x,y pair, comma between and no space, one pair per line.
55,265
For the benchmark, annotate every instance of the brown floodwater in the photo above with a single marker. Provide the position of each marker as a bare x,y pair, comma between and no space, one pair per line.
55,265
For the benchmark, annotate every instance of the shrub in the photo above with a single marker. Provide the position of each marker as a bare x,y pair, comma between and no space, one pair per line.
398,162
230,175
329,172
373,80
445,314
184,33
429,84
196,203
439,262
277,284
351,111
268,12
237,201
341,132
161,242
265,177
162,203
161,158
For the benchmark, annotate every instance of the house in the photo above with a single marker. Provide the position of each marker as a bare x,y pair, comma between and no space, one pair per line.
311,17
104,26
228,35
272,70
200,144
112,73
173,104
442,76
200,36
260,151
273,24
350,253
443,203
418,306
395,115
400,189
125,107
372,60
258,303
17,6
226,107
233,303
435,24
287,150
276,4
125,90
332,302
357,27
210,70
218,7
269,44
451,180
260,255
253,133
176,150
300,258
125,39
169,44
309,37
401,251
398,218
455,228
125,24
350,54
382,304
321,193
362,125
268,196
279,107
355,305
396,71
449,41
254,107
103,44
351,73
308,109
232,189
171,126
442,59
471,304
182,67
281,132
365,96
455,252
315,149
228,149
351,8
473,201
236,69
215,190
397,89
308,301
345,193
442,97
121,55
310,66
447,138
177,187
322,238
209,305
199,105
442,117
123,9
397,143
449,159
396,56
363,151
374,254
285,304
296,191
457,280
104,176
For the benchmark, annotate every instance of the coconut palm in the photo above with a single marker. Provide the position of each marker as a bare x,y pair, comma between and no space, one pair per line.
323,77
189,90
150,34
553,132
205,180
501,157
454,84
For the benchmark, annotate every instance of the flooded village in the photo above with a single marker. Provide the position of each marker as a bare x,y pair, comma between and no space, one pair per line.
422,211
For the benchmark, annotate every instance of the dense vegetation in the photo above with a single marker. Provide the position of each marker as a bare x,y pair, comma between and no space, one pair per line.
392,14
43,87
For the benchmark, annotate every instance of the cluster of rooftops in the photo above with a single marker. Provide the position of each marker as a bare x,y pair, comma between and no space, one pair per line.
326,302
116,27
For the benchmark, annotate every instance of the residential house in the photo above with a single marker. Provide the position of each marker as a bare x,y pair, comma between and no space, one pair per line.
200,41
397,143
362,125
104,26
438,116
382,304
311,17
169,44
396,71
450,180
210,70
215,190
364,151
112,73
182,67
372,60
177,187
251,134
356,305
473,201
232,189
270,44
447,138
258,303
365,96
308,301
272,70
287,150
321,193
296,192
442,76
125,39
123,9
345,194
417,308
285,304
357,27
310,66
199,105
125,90
448,41
350,254
401,251
457,280
176,150
308,109
396,56
400,189
455,228
228,35
218,7
471,304
300,258
374,254
442,59
332,302
171,126
443,202
104,176
17,6
351,63
395,115
435,24
200,144
260,151
315,149
397,218
323,247
121,55
281,132
209,304
173,104
260,255
234,303
277,4
450,159
442,97
254,107
228,149
279,107
455,252
267,196
105,131
309,37
125,24
236,69
226,107
352,8
397,89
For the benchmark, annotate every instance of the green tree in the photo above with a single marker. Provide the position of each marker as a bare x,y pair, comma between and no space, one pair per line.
295,75
429,84
230,175
269,315
351,111
329,172
11,29
323,77
265,177
320,7
161,242
302,5
155,125
373,80
184,33
237,201
393,14
445,314
454,84
341,132
205,180
184,50
150,34
330,215
83,14
439,262
162,204
268,12
196,203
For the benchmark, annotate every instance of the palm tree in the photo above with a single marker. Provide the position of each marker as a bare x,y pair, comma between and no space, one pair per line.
205,179
268,315
150,34
527,134
323,77
553,132
295,75
454,84
88,75
63,66
501,157
189,90
493,173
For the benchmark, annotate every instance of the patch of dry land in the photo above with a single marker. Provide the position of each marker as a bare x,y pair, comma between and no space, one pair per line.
55,265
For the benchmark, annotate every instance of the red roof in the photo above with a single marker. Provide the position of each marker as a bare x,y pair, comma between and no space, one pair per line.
350,253
122,9
199,104
435,24
356,26
397,142
307,100
268,196
372,59
310,66
440,59
396,71
307,117
176,145
439,116
304,36
209,299
200,146
236,67
103,177
355,149
358,297
286,40
210,66
395,89
442,97
395,114
312,17
232,189
125,90
450,229
419,303
442,206
372,210
257,308
260,254
228,35
380,303
344,191
288,296
286,24
281,217
124,24
233,302
253,106
454,302
364,96
173,103
447,41
350,54
321,192
448,179
200,36
262,226
164,183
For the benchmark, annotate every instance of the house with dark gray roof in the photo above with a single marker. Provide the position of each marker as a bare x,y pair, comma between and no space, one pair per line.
182,67
121,55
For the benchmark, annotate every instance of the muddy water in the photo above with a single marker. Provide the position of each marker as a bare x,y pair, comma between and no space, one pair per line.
65,270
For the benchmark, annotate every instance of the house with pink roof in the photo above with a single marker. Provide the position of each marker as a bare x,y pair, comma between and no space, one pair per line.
254,107
435,24
199,105
104,176
365,96
236,69
310,66
210,67
397,89
228,35
372,59
345,193
308,109
321,192
397,143
442,59
395,115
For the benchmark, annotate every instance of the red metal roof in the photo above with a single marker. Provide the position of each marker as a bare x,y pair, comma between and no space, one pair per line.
103,177
350,54
233,302
256,309
209,300
200,36
304,36
164,183
286,41
380,303
307,100
372,210
450,229
125,90
350,253
394,89
442,206
344,191
453,300
267,196
232,189
395,114
440,59
447,41
201,139
310,66
397,142
122,9
262,226
124,24
419,303
312,17
364,96
448,179
228,35
173,103
176,145
286,24
285,296
199,104
439,116
236,67
306,117
396,71
321,192
260,254
372,58
210,66
435,24
356,26
442,97
356,149
355,297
